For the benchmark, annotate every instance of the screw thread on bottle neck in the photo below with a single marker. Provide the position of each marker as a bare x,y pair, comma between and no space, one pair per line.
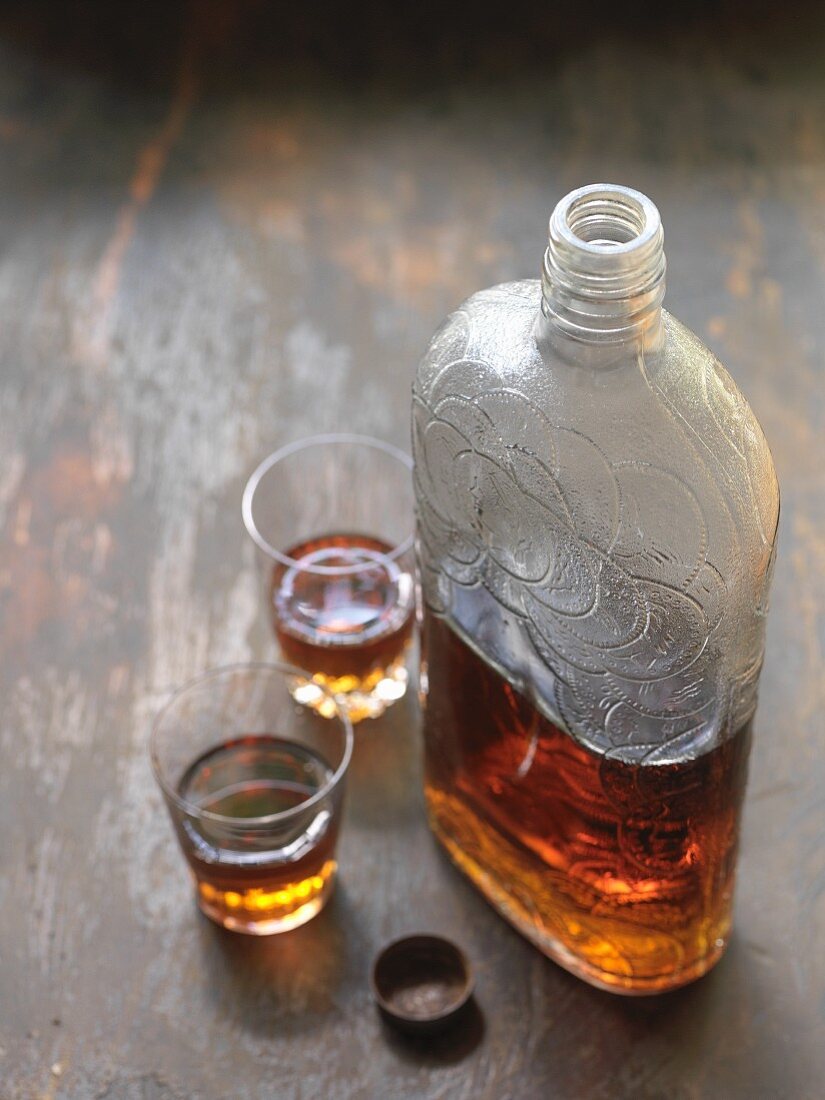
603,278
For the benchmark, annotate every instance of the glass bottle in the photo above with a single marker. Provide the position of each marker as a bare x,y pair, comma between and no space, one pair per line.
597,511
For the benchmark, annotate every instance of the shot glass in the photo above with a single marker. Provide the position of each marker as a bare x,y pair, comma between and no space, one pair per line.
254,784
332,520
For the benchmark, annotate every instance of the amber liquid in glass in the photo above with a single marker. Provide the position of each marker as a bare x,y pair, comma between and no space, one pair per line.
622,873
350,629
258,878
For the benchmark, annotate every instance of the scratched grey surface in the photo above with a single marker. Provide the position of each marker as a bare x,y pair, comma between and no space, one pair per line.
223,227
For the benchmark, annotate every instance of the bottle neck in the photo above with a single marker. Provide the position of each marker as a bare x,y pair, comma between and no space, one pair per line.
603,278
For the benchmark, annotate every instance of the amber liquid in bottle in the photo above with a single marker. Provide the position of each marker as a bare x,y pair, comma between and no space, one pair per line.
623,873
350,629
258,882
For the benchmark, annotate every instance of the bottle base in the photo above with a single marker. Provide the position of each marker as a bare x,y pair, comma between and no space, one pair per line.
518,913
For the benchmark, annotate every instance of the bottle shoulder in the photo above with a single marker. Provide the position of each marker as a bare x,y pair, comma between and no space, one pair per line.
702,401
678,410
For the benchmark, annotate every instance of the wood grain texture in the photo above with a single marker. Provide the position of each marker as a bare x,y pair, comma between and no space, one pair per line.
228,225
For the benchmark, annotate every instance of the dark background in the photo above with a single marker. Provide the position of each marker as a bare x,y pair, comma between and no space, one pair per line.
225,225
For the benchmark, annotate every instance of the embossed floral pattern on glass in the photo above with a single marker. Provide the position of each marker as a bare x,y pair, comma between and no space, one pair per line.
626,541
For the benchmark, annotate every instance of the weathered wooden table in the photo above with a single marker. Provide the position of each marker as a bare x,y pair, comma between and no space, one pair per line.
230,225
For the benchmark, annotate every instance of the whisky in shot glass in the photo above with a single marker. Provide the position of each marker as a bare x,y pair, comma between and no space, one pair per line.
254,785
331,518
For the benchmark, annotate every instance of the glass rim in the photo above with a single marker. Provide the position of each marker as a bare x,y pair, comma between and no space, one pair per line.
263,468
191,808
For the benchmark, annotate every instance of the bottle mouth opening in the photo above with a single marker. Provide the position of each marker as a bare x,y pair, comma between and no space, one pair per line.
605,218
